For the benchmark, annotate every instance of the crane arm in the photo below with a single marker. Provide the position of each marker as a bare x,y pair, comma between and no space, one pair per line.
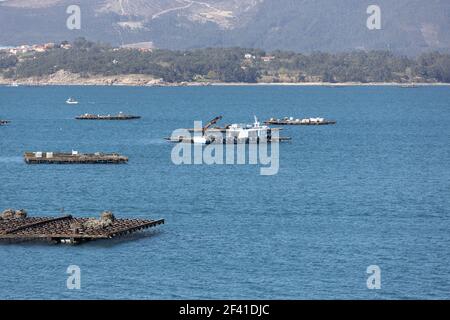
211,123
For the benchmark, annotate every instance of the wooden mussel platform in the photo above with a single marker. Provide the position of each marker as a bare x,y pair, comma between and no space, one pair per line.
17,226
119,116
73,158
299,122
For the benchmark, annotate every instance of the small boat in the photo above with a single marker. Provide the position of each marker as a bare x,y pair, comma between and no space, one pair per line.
71,101
3,122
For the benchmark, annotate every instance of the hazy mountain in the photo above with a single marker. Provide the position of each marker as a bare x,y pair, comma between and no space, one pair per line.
408,26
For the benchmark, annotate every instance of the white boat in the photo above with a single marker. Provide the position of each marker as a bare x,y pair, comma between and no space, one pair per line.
246,131
71,101
231,134
200,140
236,132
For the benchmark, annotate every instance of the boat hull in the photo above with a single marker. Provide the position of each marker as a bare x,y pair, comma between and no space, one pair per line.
231,140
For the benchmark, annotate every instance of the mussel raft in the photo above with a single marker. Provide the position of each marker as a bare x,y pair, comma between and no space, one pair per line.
73,158
119,116
299,122
16,225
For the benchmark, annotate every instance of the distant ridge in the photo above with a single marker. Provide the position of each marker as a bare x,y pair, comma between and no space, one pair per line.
408,26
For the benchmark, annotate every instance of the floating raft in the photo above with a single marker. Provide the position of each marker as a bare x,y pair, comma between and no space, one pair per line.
3,122
300,122
231,140
119,116
73,158
67,229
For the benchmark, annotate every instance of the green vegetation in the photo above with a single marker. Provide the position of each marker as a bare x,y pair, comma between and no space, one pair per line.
229,65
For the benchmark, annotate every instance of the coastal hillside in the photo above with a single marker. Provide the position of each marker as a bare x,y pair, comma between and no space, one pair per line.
407,26
90,62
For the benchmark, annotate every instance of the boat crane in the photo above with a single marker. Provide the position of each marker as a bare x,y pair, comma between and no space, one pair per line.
211,123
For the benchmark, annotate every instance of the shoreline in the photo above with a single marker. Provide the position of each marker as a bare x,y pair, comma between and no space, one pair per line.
225,84
334,84
145,81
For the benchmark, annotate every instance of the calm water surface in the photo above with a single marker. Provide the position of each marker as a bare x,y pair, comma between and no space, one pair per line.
373,189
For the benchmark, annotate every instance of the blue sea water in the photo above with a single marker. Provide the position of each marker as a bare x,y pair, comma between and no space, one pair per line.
374,189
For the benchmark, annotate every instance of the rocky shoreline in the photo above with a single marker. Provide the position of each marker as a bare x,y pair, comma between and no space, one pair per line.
65,78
